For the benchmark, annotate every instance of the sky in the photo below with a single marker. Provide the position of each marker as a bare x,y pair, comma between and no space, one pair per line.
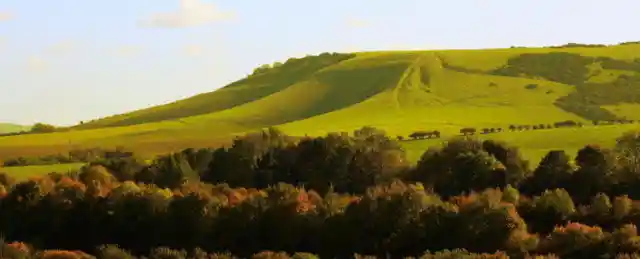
63,61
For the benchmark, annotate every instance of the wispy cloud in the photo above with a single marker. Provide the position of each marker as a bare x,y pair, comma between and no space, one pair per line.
194,50
356,23
128,50
190,13
5,16
62,47
36,64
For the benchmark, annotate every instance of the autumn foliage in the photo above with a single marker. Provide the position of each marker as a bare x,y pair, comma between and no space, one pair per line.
331,197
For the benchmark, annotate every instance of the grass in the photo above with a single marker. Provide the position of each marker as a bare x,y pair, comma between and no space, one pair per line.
398,91
628,110
10,128
534,145
531,145
21,173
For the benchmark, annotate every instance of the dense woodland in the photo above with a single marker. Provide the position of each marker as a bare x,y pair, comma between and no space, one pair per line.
337,196
74,156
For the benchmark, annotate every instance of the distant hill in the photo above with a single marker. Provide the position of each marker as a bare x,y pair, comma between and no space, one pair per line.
575,81
399,91
10,128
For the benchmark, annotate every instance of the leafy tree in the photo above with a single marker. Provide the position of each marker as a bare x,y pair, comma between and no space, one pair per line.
553,207
554,171
124,169
517,168
628,156
113,252
622,206
601,205
575,240
6,180
168,171
461,165
557,200
594,174
42,128
511,195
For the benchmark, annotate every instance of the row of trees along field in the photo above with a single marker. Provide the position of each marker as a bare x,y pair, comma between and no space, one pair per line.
333,197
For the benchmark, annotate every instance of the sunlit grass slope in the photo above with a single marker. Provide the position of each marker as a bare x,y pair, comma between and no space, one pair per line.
534,145
25,172
245,90
9,128
399,91
428,96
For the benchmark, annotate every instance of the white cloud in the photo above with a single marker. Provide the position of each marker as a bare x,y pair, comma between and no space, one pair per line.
194,50
128,50
356,23
190,13
62,47
5,16
36,64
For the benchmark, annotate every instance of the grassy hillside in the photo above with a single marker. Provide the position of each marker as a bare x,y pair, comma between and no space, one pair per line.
399,91
534,145
10,128
25,172
262,83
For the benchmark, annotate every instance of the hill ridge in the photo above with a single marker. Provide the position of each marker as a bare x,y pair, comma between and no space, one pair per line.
421,56
12,127
226,97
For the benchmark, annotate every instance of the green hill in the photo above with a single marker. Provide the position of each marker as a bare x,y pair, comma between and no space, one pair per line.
11,128
399,91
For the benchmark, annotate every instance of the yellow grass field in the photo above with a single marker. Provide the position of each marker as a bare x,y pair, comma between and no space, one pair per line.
21,173
534,145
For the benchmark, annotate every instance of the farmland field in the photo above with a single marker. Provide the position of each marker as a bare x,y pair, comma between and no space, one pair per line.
25,172
535,144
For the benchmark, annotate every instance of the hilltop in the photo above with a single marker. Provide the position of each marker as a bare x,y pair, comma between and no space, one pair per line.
398,91
11,128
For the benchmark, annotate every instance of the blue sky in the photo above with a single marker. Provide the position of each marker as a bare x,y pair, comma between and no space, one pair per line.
62,61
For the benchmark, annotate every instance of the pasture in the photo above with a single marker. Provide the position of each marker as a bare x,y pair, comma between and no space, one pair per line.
535,144
21,173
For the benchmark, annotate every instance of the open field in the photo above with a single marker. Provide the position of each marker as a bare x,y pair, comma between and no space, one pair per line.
532,144
24,172
398,91
9,128
535,144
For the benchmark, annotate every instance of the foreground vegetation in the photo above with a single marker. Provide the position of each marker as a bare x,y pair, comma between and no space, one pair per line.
333,197
533,143
73,156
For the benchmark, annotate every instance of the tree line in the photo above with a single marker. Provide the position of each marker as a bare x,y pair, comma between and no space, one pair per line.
35,129
333,197
74,156
513,128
